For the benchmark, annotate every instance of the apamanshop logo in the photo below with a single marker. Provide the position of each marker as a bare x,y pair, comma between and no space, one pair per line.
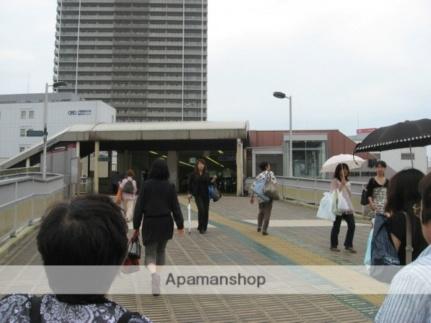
79,112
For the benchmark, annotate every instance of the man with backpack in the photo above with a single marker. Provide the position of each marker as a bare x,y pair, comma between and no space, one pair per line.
128,189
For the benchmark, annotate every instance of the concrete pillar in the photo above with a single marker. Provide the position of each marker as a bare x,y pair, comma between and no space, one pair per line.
27,163
96,167
172,161
253,163
79,172
239,168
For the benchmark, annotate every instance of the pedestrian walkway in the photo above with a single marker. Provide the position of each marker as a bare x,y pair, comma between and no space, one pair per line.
297,238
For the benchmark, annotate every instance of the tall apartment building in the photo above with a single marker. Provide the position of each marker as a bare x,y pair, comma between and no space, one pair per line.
146,58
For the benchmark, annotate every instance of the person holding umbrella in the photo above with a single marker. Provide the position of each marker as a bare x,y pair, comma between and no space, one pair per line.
340,185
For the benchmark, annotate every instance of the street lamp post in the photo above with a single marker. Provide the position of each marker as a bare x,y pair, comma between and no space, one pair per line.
281,95
55,85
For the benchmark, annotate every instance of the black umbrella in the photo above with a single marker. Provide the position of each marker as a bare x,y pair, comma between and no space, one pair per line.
406,134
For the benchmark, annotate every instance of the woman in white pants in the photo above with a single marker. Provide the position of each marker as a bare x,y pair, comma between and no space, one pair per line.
128,189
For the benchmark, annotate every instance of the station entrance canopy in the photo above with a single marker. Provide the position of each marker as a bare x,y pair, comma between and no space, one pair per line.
173,140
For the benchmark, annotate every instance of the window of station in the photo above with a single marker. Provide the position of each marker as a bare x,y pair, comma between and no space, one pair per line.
308,157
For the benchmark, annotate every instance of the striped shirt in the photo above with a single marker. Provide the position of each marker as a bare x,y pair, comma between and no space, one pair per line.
409,298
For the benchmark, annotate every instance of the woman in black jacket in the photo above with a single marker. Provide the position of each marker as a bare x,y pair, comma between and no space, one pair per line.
199,181
156,209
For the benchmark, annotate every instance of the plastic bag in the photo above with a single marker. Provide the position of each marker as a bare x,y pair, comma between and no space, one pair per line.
325,207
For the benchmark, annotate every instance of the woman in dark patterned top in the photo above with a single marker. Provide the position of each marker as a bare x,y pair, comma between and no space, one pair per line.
377,189
88,231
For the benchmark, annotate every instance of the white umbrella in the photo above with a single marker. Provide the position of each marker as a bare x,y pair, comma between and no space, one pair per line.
189,217
331,164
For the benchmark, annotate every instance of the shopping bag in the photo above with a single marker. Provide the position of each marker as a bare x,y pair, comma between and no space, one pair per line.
189,217
325,207
270,190
342,203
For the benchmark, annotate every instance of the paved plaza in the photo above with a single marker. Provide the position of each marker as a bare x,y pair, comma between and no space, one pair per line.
295,238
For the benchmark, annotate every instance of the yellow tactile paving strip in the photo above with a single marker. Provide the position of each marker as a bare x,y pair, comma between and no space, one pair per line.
293,252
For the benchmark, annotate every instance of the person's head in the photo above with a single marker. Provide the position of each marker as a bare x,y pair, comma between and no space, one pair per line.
87,231
403,192
263,166
130,173
201,166
425,190
341,171
381,168
159,170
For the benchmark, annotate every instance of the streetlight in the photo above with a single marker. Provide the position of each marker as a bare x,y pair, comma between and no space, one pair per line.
281,95
55,85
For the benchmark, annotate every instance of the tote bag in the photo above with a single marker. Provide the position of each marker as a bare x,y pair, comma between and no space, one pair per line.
325,207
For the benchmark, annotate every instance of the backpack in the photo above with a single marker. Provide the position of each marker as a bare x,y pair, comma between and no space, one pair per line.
128,187
384,257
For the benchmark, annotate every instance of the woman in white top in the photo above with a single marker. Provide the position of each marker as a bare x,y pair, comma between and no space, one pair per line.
265,207
345,208
128,194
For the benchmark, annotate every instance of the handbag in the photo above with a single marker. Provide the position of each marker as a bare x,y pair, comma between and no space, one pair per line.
134,251
131,264
214,193
271,190
325,208
364,197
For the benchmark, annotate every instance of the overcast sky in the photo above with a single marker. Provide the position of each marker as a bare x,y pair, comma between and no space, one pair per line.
346,63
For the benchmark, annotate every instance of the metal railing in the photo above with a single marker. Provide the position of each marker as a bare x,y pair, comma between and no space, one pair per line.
310,190
24,199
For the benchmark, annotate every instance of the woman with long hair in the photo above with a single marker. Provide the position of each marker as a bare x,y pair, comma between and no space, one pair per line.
404,200
342,186
198,184
156,210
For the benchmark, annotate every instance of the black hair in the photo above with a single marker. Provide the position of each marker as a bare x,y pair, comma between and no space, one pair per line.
263,165
340,167
381,163
425,190
403,191
159,170
87,231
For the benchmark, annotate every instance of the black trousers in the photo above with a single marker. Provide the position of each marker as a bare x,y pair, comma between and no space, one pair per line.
203,205
348,242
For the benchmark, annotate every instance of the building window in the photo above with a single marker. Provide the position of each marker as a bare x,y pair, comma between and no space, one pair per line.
407,156
23,114
31,114
23,132
21,149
